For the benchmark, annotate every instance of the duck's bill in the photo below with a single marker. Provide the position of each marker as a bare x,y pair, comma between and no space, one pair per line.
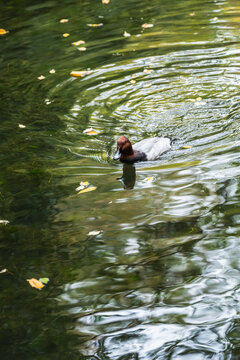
117,155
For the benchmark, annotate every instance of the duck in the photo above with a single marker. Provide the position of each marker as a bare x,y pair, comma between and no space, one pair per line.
145,150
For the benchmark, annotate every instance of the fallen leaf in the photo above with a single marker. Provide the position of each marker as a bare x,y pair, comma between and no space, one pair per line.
134,76
52,71
79,73
63,21
147,71
82,48
35,283
21,126
41,77
199,98
3,271
90,131
94,232
87,190
79,42
133,81
66,35
105,1
95,25
3,32
110,202
192,14
44,280
126,34
149,179
4,222
83,184
186,147
146,26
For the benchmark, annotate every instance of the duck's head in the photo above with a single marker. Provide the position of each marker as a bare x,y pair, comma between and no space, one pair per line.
124,148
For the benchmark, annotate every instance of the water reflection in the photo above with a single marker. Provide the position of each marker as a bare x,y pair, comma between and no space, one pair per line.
128,177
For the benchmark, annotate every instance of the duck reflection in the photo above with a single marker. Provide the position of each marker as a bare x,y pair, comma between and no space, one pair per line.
128,177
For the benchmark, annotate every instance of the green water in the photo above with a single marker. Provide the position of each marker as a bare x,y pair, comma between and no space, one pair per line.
161,279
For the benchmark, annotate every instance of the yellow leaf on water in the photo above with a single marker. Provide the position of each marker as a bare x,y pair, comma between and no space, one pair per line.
105,1
41,77
83,184
87,190
63,21
134,76
82,48
4,222
192,14
146,26
35,283
3,271
3,32
66,35
94,232
95,25
199,98
133,81
186,147
126,34
147,71
79,73
90,131
52,71
21,126
79,42
149,179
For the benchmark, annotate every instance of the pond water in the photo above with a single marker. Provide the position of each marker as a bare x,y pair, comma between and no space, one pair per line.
160,277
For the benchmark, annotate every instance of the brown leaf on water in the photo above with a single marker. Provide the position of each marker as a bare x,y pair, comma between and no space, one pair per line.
3,32
95,25
36,283
79,42
79,73
63,21
87,190
105,1
146,26
66,35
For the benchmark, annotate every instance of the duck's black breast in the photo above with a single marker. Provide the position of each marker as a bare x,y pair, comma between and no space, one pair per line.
137,156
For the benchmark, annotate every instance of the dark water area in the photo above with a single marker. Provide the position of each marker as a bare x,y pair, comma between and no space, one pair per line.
160,276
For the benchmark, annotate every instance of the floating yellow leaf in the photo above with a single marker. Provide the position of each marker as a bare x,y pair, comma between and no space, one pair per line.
3,32
199,98
63,21
147,71
126,34
66,35
133,81
90,131
41,77
105,1
134,76
82,48
192,14
21,126
186,147
3,271
87,190
79,73
52,71
35,283
149,179
83,185
146,26
94,232
79,42
95,25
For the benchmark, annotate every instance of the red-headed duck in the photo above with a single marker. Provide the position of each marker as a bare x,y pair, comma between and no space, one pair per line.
147,149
